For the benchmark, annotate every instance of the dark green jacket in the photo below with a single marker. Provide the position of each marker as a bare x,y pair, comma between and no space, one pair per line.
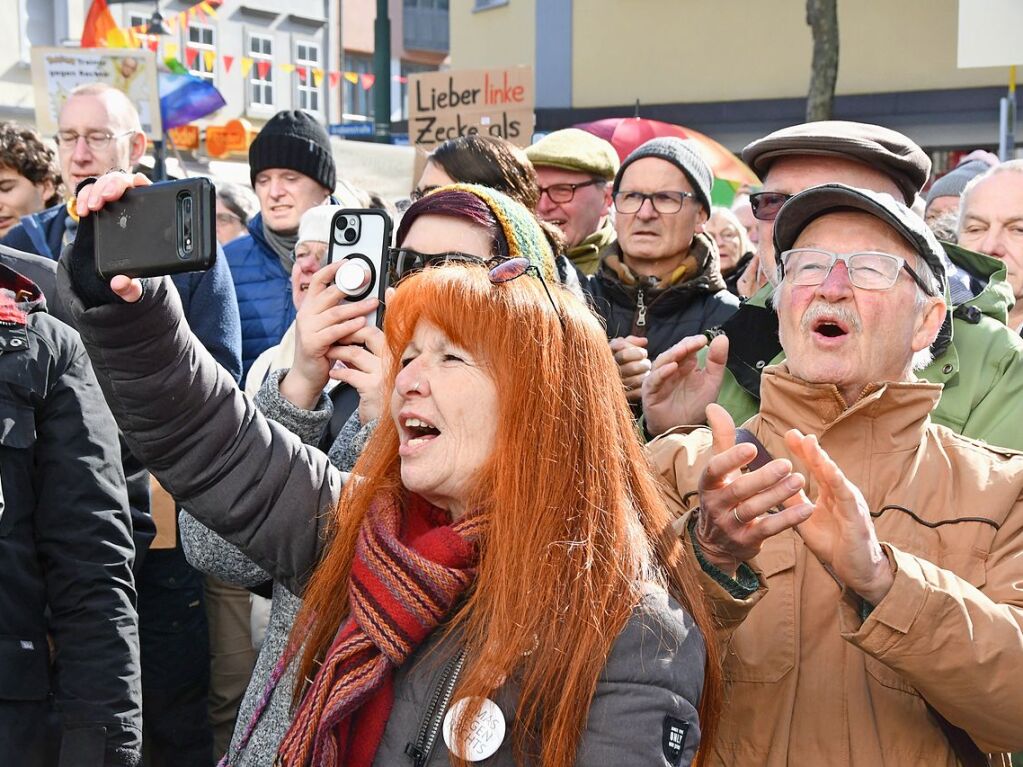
981,369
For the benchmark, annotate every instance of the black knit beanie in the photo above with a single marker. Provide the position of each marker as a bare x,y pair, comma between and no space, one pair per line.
293,139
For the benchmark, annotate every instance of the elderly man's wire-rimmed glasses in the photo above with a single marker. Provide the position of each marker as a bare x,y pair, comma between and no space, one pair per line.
868,270
95,140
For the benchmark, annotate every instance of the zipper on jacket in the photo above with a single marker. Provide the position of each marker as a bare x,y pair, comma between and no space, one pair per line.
640,320
429,729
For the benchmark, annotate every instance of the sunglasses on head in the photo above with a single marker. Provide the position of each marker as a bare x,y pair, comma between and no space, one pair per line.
402,262
767,204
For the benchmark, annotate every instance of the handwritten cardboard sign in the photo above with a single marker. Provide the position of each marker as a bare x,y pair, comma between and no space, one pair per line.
490,102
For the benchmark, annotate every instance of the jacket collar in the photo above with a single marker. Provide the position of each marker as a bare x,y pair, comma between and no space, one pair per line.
897,411
699,273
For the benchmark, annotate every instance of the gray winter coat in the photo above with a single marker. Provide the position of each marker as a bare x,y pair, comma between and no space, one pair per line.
257,485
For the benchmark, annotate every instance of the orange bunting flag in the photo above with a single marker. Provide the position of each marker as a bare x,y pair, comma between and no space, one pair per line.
334,78
367,81
228,61
262,69
303,72
154,44
246,66
190,56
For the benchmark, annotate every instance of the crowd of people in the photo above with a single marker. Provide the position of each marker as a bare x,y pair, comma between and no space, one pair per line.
622,477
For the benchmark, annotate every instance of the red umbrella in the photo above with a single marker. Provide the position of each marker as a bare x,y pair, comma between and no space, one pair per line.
627,133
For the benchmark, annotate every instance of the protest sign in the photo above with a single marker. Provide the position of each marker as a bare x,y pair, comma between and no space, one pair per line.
57,71
491,102
989,33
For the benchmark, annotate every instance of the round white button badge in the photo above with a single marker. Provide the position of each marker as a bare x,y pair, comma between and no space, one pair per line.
485,734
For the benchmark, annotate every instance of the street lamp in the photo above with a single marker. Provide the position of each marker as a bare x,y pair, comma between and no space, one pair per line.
156,26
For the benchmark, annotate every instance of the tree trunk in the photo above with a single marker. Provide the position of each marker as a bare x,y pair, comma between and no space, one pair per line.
822,16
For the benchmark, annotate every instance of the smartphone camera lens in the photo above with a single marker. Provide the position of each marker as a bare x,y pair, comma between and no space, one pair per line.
351,235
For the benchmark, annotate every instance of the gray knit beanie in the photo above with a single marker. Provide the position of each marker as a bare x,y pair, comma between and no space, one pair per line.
683,156
954,182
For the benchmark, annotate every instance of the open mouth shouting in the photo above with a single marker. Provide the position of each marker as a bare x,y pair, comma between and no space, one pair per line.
416,433
829,325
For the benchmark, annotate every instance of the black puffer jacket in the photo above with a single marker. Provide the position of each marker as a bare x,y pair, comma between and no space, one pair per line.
66,553
664,314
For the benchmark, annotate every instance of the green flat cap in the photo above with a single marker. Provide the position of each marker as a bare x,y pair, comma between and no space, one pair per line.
574,149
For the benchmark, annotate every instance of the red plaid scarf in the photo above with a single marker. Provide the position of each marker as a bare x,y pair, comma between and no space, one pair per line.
409,570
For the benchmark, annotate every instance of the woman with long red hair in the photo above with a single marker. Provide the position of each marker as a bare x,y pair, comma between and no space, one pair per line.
498,579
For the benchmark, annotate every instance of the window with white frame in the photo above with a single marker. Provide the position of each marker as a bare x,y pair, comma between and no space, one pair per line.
134,20
201,39
307,58
358,98
261,89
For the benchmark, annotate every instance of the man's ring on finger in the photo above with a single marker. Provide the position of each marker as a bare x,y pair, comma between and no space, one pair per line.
735,513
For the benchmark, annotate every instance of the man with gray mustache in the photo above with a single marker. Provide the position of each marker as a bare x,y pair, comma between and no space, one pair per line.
976,357
865,564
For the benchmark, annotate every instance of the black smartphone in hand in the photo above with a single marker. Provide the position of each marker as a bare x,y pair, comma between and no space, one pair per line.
166,228
361,238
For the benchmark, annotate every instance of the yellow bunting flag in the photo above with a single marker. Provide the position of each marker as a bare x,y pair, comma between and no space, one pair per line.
171,50
286,68
246,66
208,58
317,77
352,77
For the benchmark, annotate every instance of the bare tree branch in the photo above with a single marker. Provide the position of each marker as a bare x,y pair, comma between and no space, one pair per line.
822,17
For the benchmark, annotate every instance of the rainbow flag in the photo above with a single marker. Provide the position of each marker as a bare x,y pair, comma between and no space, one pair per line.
184,97
100,30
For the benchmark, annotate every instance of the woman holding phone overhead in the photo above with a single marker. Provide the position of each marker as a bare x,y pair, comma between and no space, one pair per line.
497,579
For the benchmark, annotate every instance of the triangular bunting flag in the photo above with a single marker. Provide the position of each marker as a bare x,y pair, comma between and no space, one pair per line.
367,81
352,77
170,50
208,9
334,78
246,66
286,68
208,57
303,72
317,77
190,56
262,69
171,23
154,44
228,61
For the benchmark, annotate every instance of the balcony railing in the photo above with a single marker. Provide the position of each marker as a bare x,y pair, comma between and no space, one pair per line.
425,29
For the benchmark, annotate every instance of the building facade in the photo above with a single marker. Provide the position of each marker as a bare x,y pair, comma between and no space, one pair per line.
734,69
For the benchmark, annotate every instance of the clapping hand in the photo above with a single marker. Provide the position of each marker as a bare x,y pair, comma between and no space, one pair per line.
735,508
840,531
677,391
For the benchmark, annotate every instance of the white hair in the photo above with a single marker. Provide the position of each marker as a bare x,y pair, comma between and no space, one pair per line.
1012,166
